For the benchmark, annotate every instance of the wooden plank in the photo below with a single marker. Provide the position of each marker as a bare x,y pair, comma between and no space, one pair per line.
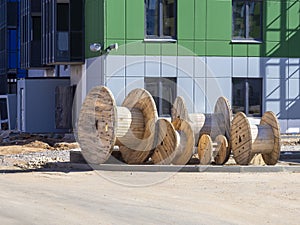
64,96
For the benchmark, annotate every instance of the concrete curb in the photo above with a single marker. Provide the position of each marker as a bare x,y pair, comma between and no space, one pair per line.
187,168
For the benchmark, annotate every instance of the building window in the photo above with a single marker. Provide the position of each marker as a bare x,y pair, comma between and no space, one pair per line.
247,96
247,20
160,17
62,32
164,92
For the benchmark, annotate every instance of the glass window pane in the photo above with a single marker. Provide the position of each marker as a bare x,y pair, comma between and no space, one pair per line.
169,14
3,109
152,17
12,12
12,40
255,20
63,41
238,95
36,27
255,96
238,18
62,17
12,60
163,91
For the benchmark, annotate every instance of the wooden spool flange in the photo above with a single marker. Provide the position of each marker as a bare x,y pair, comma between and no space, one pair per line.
248,140
102,124
218,150
184,151
136,151
167,140
212,124
175,143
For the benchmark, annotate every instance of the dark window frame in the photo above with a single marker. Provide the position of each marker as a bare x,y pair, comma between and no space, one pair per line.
246,95
160,98
160,36
247,23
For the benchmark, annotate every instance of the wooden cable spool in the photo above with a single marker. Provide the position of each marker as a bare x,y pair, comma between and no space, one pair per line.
217,151
212,124
248,139
175,142
136,151
102,124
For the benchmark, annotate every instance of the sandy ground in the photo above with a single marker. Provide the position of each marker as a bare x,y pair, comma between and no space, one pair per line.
149,198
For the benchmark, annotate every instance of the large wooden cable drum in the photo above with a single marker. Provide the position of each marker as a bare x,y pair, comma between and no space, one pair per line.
212,124
137,150
175,143
97,125
217,151
167,140
249,139
102,124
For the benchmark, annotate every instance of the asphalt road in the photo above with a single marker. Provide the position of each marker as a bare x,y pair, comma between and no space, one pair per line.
149,198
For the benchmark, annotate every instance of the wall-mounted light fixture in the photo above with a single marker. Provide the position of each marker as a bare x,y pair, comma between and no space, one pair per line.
96,47
111,47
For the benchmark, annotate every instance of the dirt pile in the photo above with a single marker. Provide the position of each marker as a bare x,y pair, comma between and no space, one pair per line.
12,142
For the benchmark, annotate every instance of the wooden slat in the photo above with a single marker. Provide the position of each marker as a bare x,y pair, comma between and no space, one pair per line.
166,143
142,100
96,125
187,140
205,149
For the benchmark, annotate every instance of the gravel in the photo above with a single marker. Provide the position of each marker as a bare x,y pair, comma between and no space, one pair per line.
35,160
56,149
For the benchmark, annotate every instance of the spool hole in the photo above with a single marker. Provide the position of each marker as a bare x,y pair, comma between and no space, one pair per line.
96,124
240,139
106,127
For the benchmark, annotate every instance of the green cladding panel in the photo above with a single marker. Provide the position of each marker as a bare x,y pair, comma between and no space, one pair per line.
115,19
186,19
293,35
94,25
135,19
273,21
218,20
204,27
200,19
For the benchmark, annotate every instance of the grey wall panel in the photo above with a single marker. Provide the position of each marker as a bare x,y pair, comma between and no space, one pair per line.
39,102
169,66
133,83
185,66
239,67
117,87
185,88
200,67
152,66
114,65
135,66
199,95
219,67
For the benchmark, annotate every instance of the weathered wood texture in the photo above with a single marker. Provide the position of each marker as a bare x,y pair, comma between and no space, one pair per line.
64,96
97,125
167,140
140,99
221,151
184,151
248,140
102,124
212,124
209,151
205,148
